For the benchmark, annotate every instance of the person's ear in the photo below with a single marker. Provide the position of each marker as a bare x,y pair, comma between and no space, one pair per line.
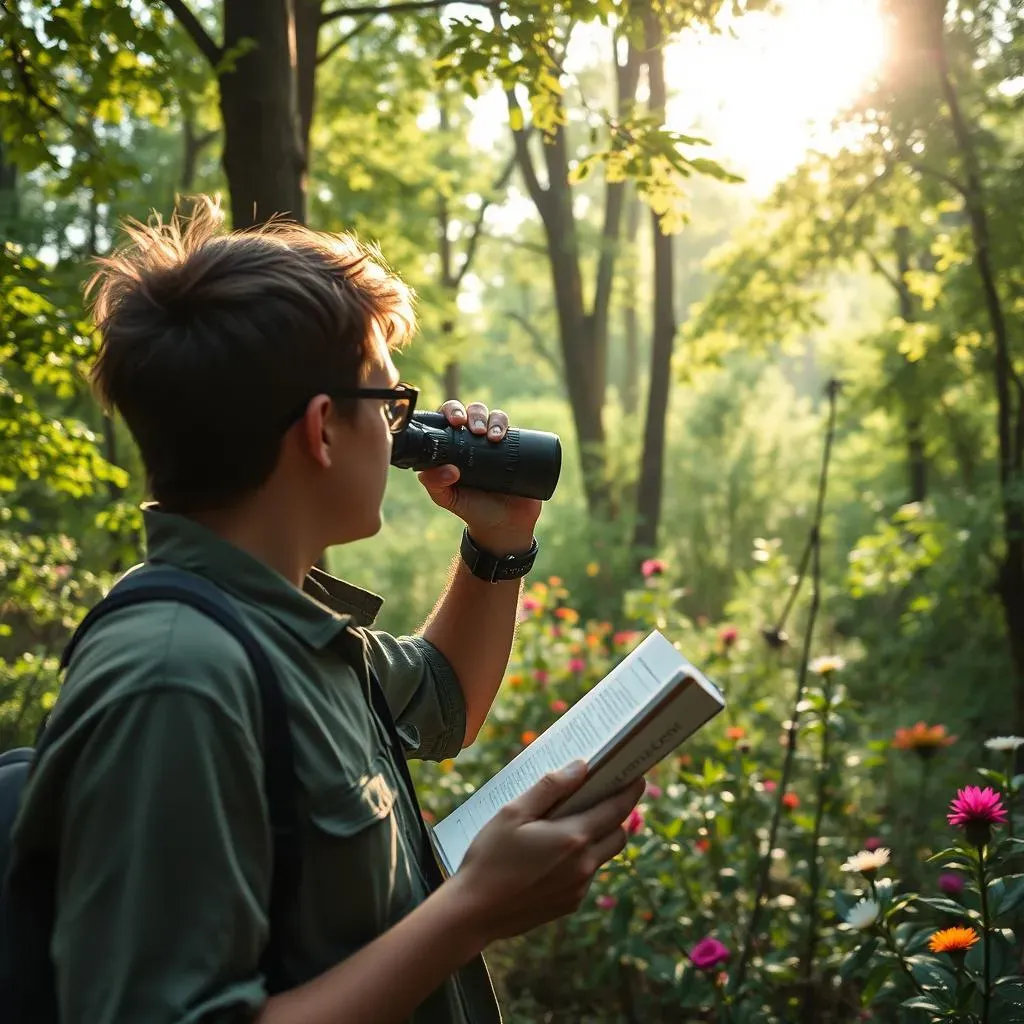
319,429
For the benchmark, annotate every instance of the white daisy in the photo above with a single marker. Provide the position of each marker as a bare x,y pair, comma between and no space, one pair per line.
828,664
1004,744
867,862
863,915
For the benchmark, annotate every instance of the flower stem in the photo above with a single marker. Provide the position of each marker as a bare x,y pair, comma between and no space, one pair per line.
986,992
1010,758
814,873
890,941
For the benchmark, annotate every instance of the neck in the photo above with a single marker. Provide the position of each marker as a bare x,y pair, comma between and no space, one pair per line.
266,533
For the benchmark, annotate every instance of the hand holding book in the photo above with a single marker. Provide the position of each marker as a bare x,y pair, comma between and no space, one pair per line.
525,868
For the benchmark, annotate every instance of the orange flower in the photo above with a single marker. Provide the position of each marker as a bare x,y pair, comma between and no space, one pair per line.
515,680
528,737
702,845
428,817
685,760
791,801
593,568
593,640
646,915
569,615
555,581
735,732
953,940
922,739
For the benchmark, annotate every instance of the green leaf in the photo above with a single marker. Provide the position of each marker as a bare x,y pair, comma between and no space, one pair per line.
923,1003
945,906
858,958
1006,894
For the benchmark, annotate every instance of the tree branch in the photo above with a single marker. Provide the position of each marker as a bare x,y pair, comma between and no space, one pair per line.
405,7
346,38
538,341
521,138
627,77
881,269
190,23
478,224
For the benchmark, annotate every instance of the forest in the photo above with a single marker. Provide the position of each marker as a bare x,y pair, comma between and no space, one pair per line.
760,265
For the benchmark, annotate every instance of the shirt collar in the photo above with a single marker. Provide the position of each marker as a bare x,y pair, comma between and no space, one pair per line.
316,614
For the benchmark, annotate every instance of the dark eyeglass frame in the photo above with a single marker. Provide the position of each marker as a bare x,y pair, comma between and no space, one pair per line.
402,395
399,410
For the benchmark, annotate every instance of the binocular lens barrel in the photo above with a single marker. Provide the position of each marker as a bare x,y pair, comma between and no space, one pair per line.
526,463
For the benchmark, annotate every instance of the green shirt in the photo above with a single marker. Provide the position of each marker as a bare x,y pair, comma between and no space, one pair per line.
154,794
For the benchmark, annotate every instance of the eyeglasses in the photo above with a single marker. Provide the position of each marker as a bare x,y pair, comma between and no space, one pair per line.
399,402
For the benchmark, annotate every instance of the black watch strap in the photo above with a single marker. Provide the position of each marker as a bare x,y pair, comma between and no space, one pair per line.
495,568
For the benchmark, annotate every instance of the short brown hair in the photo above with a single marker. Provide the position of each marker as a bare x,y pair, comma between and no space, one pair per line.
210,340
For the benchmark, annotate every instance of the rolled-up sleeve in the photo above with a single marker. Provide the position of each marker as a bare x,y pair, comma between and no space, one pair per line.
160,912
423,694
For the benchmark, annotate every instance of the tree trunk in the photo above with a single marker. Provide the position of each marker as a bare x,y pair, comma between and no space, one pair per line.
583,331
263,152
9,208
648,506
630,319
1008,386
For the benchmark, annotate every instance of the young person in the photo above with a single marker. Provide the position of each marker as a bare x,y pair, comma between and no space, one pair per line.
254,371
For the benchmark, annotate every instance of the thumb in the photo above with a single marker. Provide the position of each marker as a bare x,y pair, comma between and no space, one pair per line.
550,790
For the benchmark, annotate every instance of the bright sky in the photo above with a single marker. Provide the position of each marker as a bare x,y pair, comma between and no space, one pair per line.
763,93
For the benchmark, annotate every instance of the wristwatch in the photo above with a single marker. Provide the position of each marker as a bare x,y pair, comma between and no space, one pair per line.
495,568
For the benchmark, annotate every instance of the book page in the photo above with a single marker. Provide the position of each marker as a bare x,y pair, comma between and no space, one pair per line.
590,729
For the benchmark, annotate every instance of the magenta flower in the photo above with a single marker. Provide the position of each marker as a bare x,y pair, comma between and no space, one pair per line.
577,664
558,706
653,790
606,902
652,567
728,635
530,604
976,810
541,676
951,884
708,954
872,843
635,821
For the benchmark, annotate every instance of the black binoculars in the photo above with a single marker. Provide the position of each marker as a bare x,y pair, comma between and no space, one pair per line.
524,462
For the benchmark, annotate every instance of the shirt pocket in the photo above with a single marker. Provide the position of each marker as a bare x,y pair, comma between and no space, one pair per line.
360,878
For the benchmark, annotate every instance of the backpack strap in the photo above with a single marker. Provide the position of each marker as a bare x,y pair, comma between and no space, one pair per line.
166,583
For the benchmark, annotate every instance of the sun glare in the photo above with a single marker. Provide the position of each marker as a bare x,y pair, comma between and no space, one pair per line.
768,94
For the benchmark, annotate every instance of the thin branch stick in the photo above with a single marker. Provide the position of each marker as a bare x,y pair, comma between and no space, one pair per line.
814,542
405,7
478,224
344,40
190,23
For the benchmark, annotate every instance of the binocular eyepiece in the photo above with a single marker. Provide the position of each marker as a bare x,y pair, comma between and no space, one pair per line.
526,463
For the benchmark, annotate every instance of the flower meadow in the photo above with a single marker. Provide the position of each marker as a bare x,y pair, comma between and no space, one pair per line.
800,859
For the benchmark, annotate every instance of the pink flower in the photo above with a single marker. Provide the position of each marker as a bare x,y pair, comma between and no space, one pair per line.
558,706
708,954
770,785
951,884
976,810
577,664
530,604
653,791
606,902
652,567
541,676
626,637
872,843
728,635
635,821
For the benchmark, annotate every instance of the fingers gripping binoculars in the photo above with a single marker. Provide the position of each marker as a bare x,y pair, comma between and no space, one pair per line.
526,463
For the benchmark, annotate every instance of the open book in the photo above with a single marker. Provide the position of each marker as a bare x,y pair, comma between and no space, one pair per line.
638,714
